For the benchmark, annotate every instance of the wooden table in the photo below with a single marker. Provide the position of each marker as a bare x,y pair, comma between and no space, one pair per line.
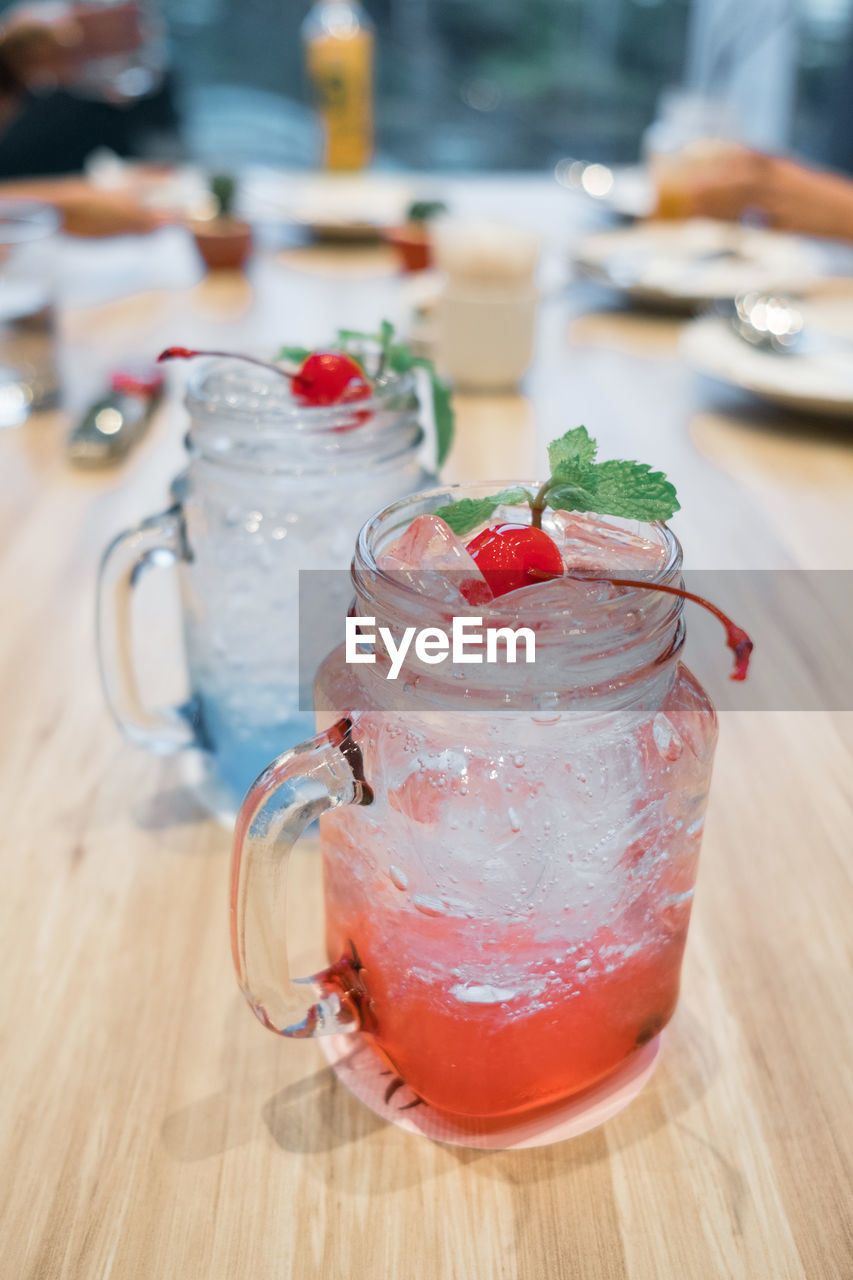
151,1129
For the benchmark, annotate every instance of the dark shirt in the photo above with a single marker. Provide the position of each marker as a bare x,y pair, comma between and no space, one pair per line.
53,133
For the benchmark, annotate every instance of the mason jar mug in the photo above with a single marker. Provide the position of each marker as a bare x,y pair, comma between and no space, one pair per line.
509,852
271,487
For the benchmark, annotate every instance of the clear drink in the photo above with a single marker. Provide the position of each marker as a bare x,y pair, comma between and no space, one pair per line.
28,370
254,507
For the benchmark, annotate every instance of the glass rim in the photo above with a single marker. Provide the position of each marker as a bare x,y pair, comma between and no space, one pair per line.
288,413
365,560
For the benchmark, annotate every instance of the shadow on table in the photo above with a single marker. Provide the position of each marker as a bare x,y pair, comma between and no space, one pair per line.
316,1117
738,408
175,807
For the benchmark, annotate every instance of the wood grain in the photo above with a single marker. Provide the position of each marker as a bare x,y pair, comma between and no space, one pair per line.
149,1127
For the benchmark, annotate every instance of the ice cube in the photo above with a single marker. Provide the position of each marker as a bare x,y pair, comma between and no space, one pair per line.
573,594
589,543
432,560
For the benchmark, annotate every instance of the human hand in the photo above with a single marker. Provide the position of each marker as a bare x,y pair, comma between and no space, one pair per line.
36,51
785,194
42,46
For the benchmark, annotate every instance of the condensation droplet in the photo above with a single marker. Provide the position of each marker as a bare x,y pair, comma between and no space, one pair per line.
429,906
514,822
398,878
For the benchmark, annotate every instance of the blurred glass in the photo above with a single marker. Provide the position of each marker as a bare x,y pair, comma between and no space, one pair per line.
690,129
338,40
683,118
28,372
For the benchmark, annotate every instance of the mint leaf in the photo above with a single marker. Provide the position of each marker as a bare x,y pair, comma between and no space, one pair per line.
575,497
346,337
397,356
442,410
401,360
632,490
386,337
575,447
297,354
614,488
467,513
511,497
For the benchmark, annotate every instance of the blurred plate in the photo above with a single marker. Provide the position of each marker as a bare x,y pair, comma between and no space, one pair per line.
686,264
816,381
331,207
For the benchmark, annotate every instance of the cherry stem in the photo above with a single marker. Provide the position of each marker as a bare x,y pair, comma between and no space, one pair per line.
284,367
538,504
736,638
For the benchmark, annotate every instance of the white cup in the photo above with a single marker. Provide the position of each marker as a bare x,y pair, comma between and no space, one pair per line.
484,338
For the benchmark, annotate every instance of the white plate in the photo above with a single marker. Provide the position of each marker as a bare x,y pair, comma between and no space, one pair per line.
698,261
337,206
816,381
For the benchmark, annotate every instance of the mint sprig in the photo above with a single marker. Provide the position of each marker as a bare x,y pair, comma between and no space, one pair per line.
297,355
577,482
398,358
469,512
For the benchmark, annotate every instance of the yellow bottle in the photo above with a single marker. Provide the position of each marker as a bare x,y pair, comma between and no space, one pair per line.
338,39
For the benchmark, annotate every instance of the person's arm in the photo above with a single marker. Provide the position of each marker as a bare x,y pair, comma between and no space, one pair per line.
89,211
39,49
791,196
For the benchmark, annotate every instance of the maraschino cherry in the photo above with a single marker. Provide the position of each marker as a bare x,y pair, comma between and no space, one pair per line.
330,377
510,556
324,377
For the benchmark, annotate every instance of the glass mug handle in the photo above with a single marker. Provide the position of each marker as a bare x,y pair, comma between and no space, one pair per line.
320,774
154,543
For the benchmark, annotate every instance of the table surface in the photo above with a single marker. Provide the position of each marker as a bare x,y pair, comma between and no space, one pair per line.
149,1126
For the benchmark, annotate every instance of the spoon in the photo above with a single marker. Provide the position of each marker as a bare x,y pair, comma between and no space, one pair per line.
768,322
775,324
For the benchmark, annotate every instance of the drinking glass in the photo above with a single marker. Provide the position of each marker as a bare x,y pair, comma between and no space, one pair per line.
272,486
509,852
28,373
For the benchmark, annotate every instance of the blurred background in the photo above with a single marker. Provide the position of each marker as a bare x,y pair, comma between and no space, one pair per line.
461,84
